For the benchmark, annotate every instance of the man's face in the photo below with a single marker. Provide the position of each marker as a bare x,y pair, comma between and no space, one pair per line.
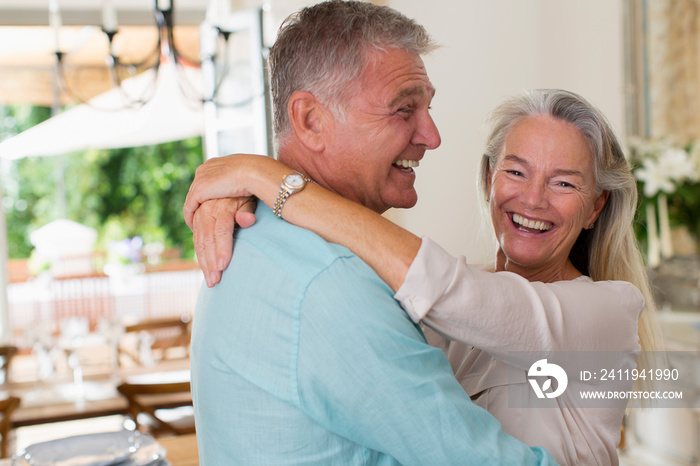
371,153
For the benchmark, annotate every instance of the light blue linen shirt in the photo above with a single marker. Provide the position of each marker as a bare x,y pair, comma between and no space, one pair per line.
301,355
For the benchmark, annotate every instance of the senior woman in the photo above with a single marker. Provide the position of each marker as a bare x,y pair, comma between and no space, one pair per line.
568,275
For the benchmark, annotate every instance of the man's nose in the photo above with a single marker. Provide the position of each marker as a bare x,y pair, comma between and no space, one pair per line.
426,133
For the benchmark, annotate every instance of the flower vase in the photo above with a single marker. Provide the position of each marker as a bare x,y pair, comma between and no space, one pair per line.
653,244
666,242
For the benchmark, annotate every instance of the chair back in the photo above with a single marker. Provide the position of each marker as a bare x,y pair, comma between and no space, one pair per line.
154,400
7,407
164,333
6,355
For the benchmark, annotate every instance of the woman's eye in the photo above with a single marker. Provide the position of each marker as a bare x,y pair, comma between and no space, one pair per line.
565,184
514,172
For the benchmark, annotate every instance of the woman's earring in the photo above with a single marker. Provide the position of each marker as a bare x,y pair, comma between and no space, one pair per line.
591,226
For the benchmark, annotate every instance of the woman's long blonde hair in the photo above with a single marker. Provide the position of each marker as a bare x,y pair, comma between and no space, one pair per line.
610,250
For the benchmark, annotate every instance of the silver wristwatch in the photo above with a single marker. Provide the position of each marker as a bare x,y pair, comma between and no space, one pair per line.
290,184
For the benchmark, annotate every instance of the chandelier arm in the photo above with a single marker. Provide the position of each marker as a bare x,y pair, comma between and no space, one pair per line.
115,61
139,64
226,67
224,74
63,80
66,88
186,87
166,28
179,56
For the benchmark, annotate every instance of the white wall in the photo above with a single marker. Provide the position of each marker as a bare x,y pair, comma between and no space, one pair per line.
491,49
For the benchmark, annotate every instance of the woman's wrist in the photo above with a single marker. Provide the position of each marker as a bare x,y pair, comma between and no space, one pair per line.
263,177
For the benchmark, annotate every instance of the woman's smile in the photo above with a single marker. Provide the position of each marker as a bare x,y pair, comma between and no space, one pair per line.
529,225
542,196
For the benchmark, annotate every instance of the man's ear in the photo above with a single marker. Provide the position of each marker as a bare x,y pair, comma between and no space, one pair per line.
308,118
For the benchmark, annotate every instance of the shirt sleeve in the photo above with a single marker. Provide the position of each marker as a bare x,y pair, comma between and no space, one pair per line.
503,312
366,373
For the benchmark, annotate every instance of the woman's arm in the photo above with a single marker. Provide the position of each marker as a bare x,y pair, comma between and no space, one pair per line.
506,315
499,313
383,245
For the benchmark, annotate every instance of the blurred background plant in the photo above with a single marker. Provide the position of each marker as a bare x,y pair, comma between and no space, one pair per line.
126,251
668,176
122,193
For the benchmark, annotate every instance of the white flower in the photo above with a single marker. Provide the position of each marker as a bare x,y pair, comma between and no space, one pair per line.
654,178
664,167
677,165
645,148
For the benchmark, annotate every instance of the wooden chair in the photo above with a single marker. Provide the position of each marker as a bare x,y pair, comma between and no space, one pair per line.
166,333
6,355
150,406
86,297
7,407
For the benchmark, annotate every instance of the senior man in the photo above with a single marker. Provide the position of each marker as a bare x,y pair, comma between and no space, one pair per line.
301,355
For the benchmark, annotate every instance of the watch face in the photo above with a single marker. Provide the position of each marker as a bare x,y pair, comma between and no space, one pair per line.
294,180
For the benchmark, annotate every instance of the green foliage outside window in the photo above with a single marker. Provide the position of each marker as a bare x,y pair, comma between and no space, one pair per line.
121,192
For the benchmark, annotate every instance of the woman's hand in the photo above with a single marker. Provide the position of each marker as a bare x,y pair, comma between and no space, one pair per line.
212,226
220,198
222,177
386,247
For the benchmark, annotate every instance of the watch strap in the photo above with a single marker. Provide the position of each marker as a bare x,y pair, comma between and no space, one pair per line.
285,191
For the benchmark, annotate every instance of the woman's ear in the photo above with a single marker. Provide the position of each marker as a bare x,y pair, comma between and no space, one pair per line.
308,119
598,205
487,181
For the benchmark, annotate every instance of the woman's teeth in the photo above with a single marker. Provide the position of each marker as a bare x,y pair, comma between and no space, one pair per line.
534,224
406,165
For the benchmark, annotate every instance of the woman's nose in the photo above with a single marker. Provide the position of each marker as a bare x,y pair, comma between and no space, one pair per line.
534,195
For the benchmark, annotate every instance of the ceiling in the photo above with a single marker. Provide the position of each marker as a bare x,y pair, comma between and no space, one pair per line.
81,12
28,70
27,54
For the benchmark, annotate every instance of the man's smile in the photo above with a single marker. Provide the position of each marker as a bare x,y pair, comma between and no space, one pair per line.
406,165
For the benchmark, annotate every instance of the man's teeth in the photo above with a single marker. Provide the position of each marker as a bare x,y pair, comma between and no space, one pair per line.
537,225
407,163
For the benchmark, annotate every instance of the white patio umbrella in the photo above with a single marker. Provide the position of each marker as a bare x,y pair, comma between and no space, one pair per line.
167,116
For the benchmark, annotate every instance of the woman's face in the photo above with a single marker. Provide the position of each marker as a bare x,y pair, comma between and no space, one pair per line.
542,194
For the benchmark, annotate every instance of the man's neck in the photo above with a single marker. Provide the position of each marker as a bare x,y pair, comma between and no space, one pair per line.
302,162
307,163
294,163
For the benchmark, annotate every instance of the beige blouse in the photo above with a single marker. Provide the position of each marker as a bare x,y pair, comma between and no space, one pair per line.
499,319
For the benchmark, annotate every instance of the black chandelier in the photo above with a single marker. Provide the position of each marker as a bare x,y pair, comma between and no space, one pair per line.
215,43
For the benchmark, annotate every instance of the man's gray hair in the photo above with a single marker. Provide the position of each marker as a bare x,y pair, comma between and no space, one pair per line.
322,49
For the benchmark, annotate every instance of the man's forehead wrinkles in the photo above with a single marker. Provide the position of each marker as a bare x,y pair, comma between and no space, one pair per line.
417,90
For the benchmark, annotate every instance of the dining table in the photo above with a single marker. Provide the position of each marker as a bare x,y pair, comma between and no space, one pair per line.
64,400
180,451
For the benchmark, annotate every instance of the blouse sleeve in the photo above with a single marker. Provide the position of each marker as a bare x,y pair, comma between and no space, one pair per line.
503,312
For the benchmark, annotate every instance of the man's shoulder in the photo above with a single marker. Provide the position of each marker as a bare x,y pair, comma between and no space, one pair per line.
275,242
